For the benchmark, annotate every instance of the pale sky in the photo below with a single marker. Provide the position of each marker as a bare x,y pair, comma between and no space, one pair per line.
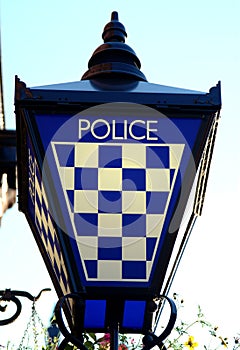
187,44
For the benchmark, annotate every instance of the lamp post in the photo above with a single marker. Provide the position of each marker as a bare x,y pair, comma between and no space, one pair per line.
106,166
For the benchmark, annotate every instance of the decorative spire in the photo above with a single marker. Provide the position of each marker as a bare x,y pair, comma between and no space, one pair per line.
114,59
114,30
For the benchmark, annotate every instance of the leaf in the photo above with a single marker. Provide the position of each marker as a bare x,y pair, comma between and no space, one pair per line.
89,344
93,336
69,347
123,339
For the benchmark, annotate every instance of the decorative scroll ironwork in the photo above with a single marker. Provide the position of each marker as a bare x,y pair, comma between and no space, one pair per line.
9,295
150,340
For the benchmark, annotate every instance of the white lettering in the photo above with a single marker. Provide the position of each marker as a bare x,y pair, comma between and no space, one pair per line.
114,137
151,130
100,121
101,129
87,126
130,130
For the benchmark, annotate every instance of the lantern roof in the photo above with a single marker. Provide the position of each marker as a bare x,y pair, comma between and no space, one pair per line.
140,86
104,91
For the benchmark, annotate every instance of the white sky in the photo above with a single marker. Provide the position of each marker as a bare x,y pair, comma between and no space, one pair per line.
188,44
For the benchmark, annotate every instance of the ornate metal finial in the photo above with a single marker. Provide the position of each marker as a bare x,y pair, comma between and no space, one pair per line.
114,59
114,30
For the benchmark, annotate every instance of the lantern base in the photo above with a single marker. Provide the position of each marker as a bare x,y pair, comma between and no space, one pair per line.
76,336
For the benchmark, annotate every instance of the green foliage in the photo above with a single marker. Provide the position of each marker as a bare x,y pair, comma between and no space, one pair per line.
198,333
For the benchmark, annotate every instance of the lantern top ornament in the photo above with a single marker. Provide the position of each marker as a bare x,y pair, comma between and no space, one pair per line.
114,30
114,58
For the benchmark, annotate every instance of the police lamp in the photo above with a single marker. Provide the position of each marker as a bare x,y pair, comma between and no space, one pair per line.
106,166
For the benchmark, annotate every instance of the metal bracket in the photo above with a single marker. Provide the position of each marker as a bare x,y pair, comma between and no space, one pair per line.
69,337
9,295
150,339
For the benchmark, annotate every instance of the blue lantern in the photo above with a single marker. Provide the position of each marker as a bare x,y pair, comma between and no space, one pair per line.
106,166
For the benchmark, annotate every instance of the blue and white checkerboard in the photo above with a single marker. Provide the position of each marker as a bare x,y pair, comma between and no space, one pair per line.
45,225
117,197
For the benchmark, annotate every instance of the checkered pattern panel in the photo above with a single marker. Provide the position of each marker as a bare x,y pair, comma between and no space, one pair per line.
117,197
45,224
